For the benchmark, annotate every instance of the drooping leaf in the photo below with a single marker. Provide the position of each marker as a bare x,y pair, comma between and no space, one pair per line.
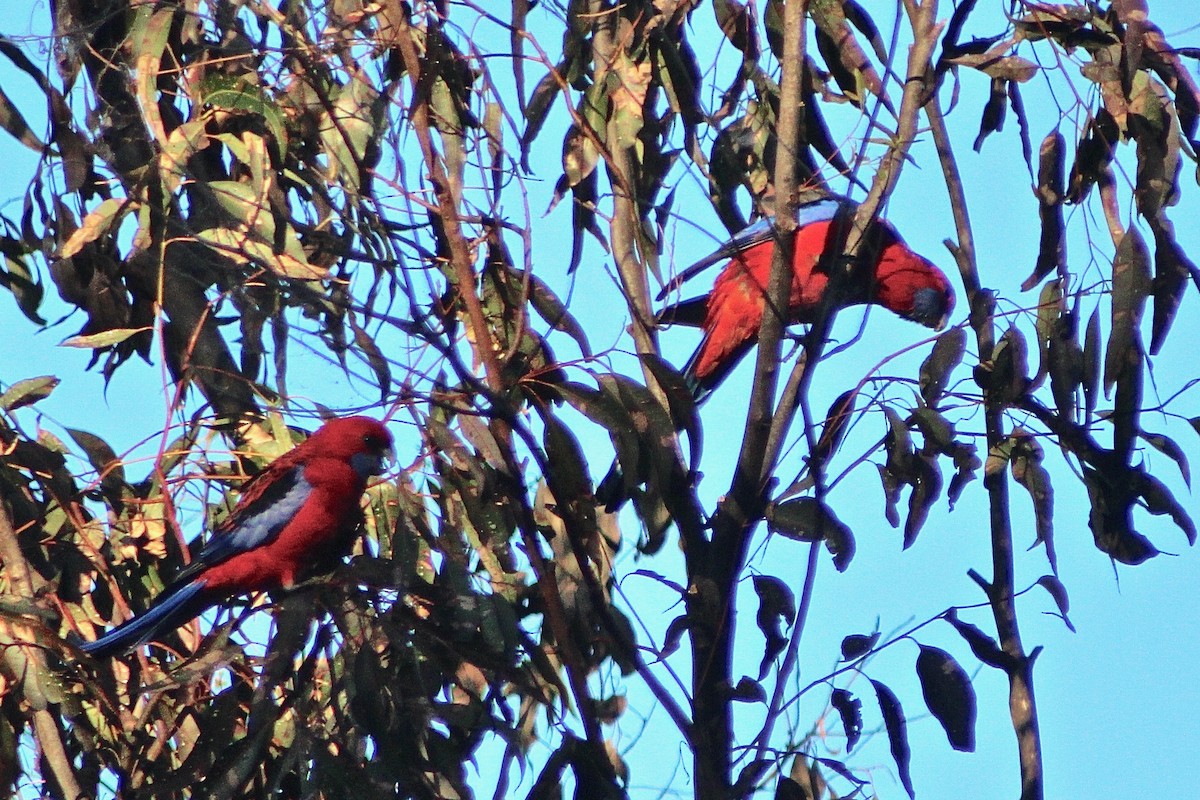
897,733
837,421
1159,501
1172,267
806,519
946,355
680,402
100,455
993,113
1111,520
1172,450
983,646
776,605
926,488
849,708
949,696
1025,461
1064,362
1058,592
555,313
1009,380
1093,156
1052,245
1091,364
675,631
1131,286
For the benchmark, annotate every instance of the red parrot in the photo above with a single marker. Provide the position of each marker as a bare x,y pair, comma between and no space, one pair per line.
289,516
902,281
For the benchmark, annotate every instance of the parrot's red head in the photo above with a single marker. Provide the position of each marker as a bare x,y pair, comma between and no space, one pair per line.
913,287
364,442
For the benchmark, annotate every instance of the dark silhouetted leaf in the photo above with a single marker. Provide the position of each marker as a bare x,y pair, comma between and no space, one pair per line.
1110,519
551,309
806,519
949,696
789,789
847,61
857,645
748,690
674,636
966,464
1093,156
375,357
897,733
680,403
983,646
1091,364
937,430
1018,107
837,420
750,777
1173,451
1049,311
993,112
569,478
1027,470
1052,246
935,370
1058,592
1010,369
1172,267
776,604
101,456
849,708
1065,363
1130,288
926,488
1159,501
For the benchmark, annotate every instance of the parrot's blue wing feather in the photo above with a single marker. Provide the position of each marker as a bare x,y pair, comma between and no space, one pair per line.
821,210
260,521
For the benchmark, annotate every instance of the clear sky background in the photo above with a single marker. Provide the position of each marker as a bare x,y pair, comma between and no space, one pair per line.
1119,700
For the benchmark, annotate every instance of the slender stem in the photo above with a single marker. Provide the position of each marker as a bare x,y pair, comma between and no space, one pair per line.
1001,590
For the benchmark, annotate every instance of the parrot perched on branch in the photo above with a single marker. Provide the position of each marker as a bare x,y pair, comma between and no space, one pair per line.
892,276
293,513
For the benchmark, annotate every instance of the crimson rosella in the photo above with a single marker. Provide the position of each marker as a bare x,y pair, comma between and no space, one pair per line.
898,279
289,516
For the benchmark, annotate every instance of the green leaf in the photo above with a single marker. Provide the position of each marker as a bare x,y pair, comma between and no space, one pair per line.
27,392
235,94
98,222
102,339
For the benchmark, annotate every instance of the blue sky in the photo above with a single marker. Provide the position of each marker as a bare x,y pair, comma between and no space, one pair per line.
1117,700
